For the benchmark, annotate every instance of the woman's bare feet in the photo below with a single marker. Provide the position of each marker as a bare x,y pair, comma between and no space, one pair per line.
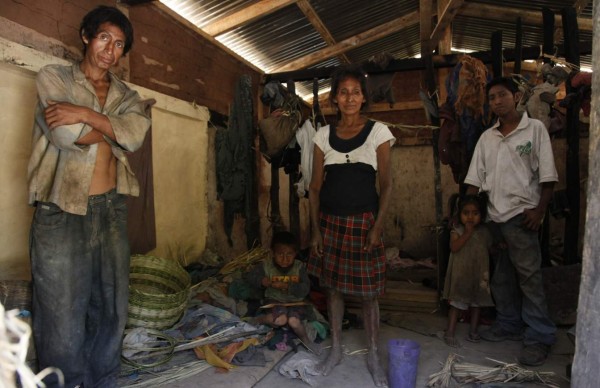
334,358
374,366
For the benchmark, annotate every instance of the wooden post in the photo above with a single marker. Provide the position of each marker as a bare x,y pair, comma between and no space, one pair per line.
518,48
548,47
587,358
275,214
571,237
497,65
430,82
293,202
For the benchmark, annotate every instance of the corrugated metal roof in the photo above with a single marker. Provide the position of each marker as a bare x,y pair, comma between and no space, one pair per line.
278,38
275,39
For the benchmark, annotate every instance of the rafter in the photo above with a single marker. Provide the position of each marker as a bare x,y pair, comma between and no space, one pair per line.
410,64
445,19
246,15
445,41
318,24
382,107
425,26
361,39
484,11
135,2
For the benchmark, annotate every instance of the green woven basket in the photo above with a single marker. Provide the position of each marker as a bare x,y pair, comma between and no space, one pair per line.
158,292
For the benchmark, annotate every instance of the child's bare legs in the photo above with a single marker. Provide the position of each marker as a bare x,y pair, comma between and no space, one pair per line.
298,328
473,332
370,308
449,334
335,312
267,319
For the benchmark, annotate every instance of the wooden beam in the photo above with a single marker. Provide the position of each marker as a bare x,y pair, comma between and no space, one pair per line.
483,11
246,15
497,58
445,19
135,2
445,42
383,107
425,26
318,24
353,42
572,171
548,26
408,64
518,47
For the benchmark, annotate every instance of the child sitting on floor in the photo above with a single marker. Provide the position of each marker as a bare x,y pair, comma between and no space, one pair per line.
467,282
286,285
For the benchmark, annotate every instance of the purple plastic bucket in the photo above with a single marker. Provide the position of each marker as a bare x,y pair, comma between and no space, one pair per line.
403,356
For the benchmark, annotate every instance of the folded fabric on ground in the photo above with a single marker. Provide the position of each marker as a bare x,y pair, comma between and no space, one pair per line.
221,357
206,319
301,365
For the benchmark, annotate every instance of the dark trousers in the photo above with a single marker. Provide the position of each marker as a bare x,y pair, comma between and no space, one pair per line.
517,284
80,271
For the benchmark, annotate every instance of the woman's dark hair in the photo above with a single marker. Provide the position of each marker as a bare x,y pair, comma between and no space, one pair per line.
284,238
507,82
349,71
104,14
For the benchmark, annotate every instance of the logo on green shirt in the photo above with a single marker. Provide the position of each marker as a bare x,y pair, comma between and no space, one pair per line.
524,149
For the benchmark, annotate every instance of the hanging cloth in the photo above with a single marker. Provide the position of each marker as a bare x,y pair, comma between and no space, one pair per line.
304,137
141,223
235,161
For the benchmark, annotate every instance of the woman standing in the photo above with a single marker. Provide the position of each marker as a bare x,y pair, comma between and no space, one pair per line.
347,212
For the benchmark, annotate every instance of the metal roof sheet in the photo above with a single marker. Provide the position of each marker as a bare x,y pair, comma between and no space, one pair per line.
278,38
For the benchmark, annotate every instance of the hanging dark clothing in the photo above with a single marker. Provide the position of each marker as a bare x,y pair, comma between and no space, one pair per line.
141,221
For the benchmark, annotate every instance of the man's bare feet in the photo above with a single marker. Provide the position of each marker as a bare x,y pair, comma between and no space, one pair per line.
334,358
374,366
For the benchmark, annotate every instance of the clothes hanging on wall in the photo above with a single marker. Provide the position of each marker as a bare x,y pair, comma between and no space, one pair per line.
304,137
235,162
141,222
538,100
465,114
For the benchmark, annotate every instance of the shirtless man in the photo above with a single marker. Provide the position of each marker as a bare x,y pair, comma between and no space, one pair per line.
85,123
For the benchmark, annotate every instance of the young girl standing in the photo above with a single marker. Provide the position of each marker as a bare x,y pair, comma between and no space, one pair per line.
467,282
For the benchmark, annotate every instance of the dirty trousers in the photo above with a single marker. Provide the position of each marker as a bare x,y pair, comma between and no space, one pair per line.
517,284
80,271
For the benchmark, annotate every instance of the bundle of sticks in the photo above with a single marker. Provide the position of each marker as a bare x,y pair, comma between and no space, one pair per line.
245,260
465,373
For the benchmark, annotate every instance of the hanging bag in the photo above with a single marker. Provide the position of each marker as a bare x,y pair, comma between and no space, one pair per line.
280,127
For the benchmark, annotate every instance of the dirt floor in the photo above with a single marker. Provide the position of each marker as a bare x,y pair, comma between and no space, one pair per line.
352,372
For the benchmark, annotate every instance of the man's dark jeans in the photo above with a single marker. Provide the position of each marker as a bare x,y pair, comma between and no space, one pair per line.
517,284
80,271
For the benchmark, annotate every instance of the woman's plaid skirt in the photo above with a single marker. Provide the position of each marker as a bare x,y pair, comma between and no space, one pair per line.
345,266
